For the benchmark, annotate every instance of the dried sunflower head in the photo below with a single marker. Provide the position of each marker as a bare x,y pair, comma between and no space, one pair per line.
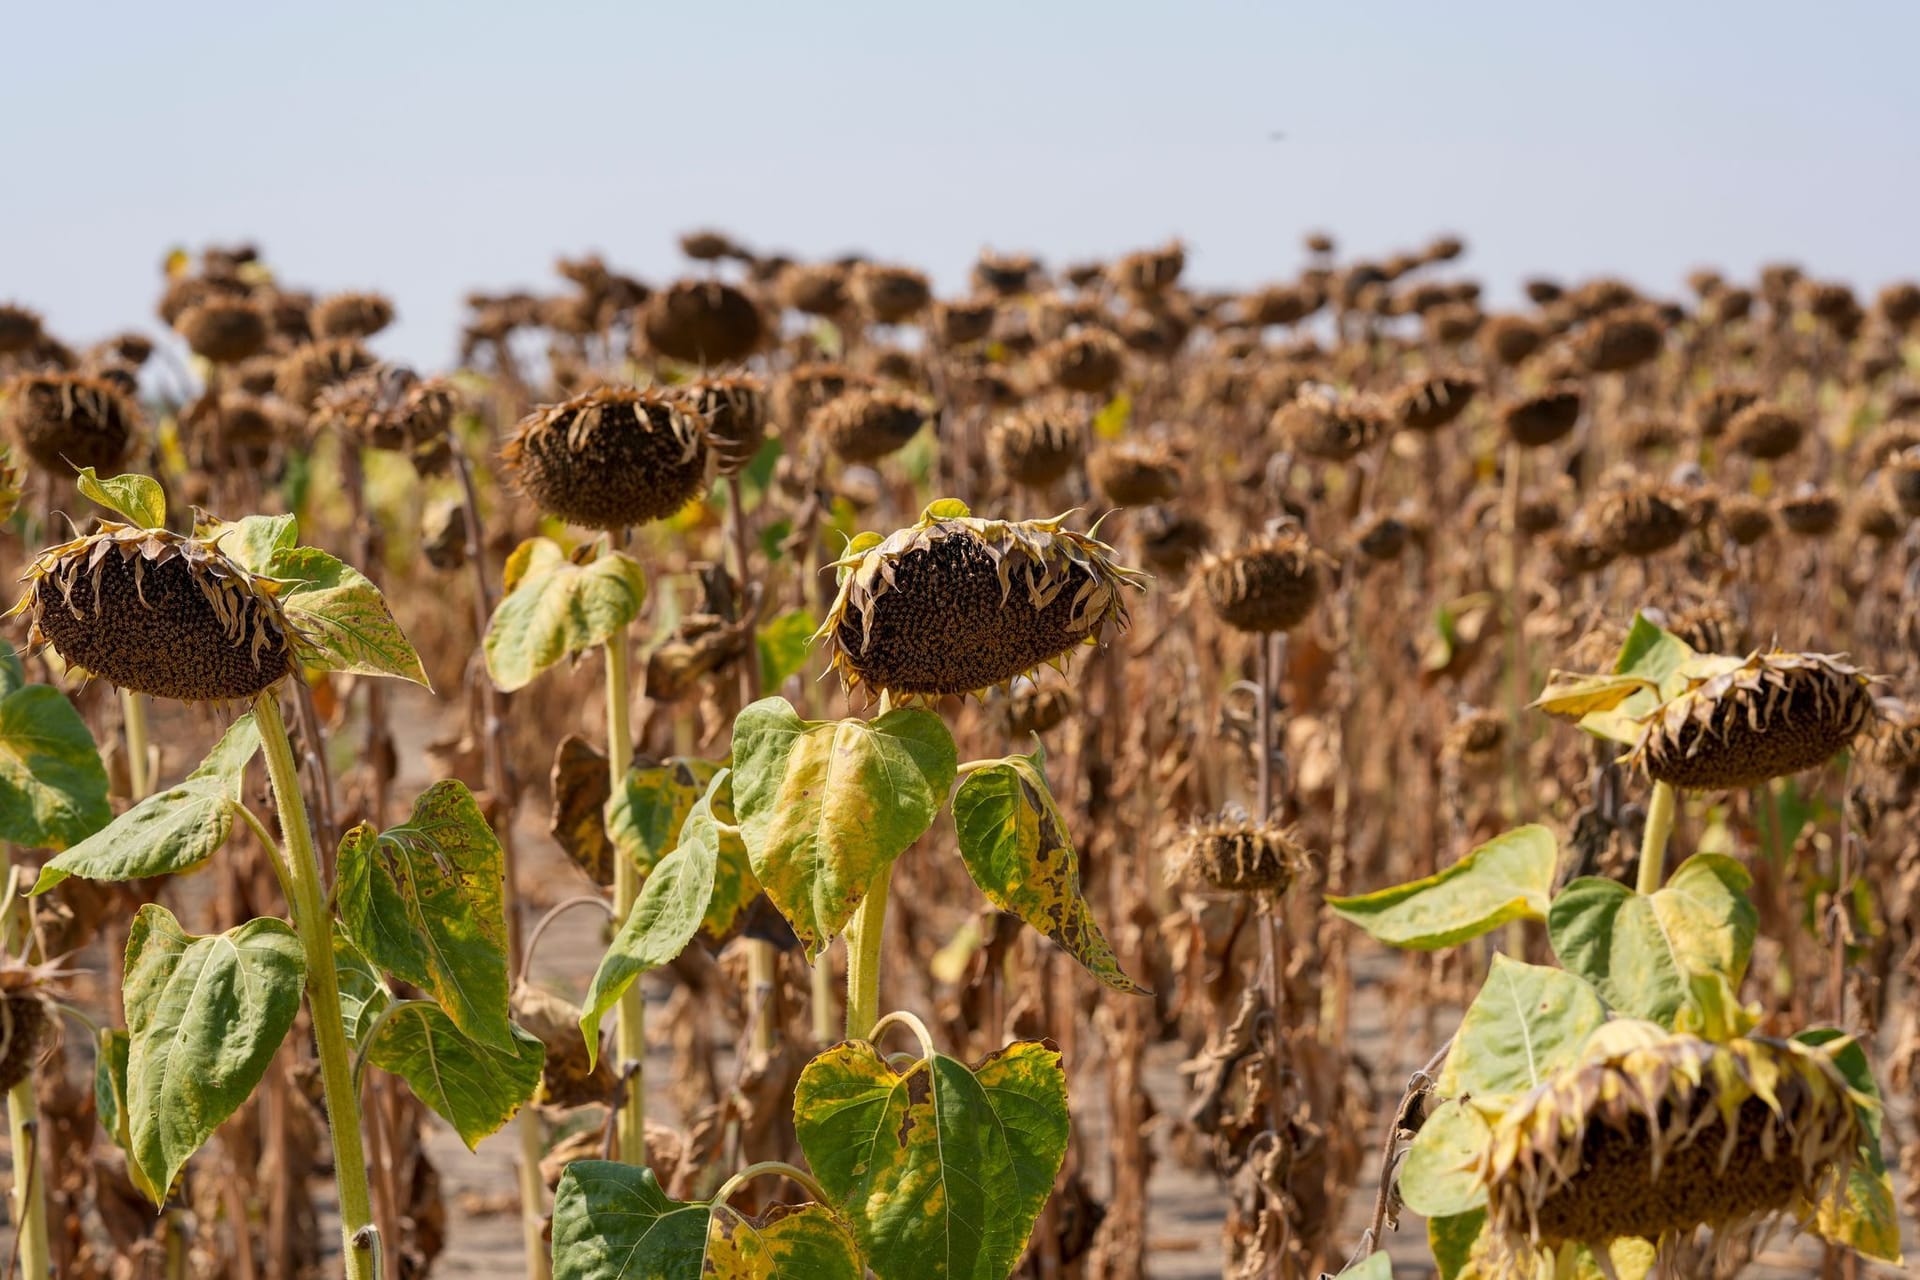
159,613
890,295
1642,520
1765,431
1324,424
956,604
1236,855
703,322
223,329
797,393
1036,708
19,328
1542,419
1772,715
1657,1135
1477,740
1810,512
351,315
1039,445
609,459
1090,361
1433,402
867,425
304,373
1903,481
1270,585
957,323
28,1028
1620,340
1135,474
1171,539
735,411
64,421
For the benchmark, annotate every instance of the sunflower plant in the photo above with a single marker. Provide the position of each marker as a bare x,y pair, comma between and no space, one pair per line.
1593,1117
921,1165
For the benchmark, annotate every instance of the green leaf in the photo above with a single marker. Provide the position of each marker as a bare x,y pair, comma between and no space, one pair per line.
1651,655
110,1083
664,918
1861,1212
172,830
13,673
1641,951
644,817
941,1170
783,646
1440,1177
557,609
53,788
613,1222
423,901
475,1087
826,805
1508,878
1452,1240
1015,844
342,617
204,1017
1528,1021
1375,1266
363,993
137,499
254,541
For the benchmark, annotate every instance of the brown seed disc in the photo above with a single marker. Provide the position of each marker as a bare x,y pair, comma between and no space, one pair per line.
1090,362
703,322
1131,474
351,315
890,295
1432,403
1811,515
1269,586
23,1034
1037,446
1641,521
1242,857
735,411
1778,714
1619,341
1541,419
1747,519
1765,432
19,329
865,426
304,373
1171,540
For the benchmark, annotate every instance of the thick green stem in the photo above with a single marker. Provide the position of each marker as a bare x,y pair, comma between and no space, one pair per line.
863,956
630,1030
314,923
823,1000
28,1199
1653,844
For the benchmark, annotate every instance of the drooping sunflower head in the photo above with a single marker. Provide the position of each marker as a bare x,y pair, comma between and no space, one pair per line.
1665,1136
868,425
1772,715
1270,585
735,410
28,1029
609,459
63,421
956,604
1039,445
1237,855
159,613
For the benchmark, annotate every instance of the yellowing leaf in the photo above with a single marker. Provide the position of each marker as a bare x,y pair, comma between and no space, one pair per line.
137,499
1527,1022
1507,878
556,609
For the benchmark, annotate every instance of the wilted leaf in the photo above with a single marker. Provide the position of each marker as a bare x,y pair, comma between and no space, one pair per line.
1508,878
474,1087
1654,657
1015,844
423,901
1860,1213
826,805
645,818
1641,950
556,608
172,830
137,499
665,916
342,616
941,1170
613,1222
204,1017
1528,1020
580,784
53,788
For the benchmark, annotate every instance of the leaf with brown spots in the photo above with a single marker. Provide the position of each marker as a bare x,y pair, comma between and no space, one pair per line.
1014,841
423,901
581,787
941,1170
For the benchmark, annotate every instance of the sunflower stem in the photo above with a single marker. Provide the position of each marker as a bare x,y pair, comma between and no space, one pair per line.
1653,842
630,1029
28,1199
314,924
863,956
133,710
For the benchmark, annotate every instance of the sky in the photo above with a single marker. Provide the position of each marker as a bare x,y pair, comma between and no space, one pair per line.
427,149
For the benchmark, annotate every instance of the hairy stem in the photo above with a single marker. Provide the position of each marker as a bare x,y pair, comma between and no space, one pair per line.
133,709
314,924
1653,844
630,1031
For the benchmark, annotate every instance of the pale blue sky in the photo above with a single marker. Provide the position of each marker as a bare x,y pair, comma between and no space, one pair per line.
430,148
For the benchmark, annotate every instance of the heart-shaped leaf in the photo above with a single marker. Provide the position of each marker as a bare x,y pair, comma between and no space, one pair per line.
172,830
556,608
53,788
204,1017
423,901
1651,660
666,915
1508,878
826,805
644,817
1642,950
941,1170
613,1222
253,542
1015,844
342,617
137,499
474,1087
1528,1021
